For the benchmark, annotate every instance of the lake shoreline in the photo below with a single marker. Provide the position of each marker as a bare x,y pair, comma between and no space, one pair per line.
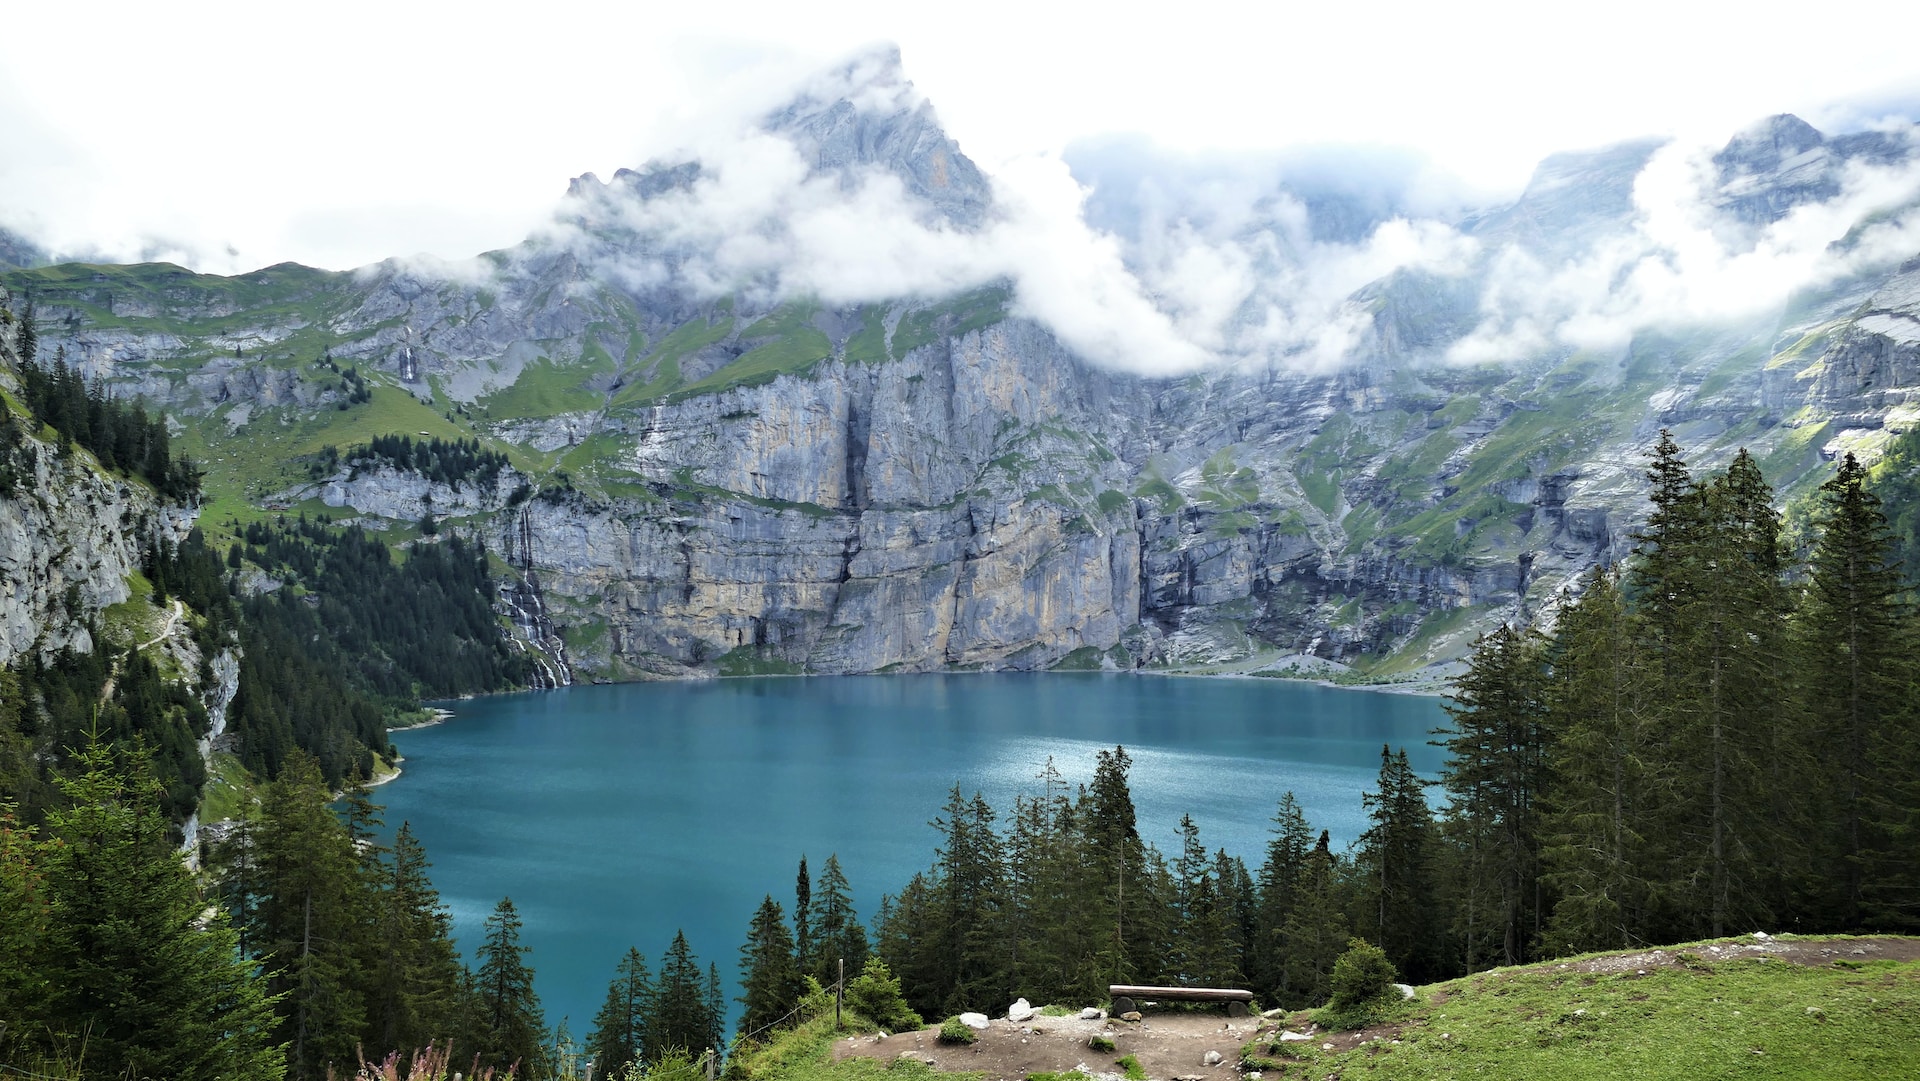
1437,687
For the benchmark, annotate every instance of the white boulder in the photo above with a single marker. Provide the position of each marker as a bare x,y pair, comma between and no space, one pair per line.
974,1020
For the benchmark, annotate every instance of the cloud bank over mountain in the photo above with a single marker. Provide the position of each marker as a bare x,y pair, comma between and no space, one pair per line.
1160,264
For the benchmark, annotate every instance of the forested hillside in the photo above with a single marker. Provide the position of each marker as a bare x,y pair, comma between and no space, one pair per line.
1721,736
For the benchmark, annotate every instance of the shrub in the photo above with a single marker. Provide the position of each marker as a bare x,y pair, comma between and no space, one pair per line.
954,1030
1130,1065
875,995
1100,1043
1363,990
1361,975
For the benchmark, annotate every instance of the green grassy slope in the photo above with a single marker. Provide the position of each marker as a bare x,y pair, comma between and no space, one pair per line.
1685,1012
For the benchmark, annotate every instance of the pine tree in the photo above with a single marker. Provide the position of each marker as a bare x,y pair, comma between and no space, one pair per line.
1189,880
769,981
1280,878
514,1027
1397,868
416,983
716,1004
139,987
969,888
619,1036
1726,710
680,1020
1855,658
803,919
1498,748
1118,877
23,925
1599,833
838,935
307,917
1315,932
26,341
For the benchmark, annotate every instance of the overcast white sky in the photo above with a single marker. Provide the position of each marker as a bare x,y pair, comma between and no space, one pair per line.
234,135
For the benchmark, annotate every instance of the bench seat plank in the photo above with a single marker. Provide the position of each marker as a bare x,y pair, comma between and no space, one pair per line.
1191,994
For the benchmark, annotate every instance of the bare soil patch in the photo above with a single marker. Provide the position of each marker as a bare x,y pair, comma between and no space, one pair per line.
1168,1045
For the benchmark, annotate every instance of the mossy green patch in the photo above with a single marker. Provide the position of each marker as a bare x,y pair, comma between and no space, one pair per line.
225,794
749,661
546,388
660,369
1084,659
868,345
952,318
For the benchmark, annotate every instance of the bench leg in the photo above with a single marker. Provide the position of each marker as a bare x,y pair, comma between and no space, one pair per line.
1121,1005
1236,1009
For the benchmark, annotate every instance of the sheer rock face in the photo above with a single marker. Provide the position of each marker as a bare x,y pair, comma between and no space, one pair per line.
1874,362
891,541
70,540
981,496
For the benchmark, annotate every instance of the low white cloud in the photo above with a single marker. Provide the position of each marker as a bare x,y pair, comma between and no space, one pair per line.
1684,260
1232,268
1236,279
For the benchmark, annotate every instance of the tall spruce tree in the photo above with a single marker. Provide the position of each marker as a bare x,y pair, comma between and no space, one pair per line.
1279,884
137,985
1315,933
1599,831
803,918
514,1028
1725,712
770,982
307,913
619,1037
1116,893
1498,747
1397,863
1856,667
415,989
970,888
838,935
681,1020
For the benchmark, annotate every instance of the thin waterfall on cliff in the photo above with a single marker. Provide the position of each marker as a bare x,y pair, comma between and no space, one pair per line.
527,607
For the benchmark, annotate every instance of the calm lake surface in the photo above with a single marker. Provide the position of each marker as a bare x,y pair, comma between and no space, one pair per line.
614,815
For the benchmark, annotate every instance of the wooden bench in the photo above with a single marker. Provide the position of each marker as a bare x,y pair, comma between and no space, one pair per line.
1124,995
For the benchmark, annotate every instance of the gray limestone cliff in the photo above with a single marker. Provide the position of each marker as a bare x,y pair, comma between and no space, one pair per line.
711,482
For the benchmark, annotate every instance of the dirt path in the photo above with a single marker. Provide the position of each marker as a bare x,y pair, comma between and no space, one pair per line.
173,624
1171,1045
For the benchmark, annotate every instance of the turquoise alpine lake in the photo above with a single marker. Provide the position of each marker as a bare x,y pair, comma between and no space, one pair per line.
614,815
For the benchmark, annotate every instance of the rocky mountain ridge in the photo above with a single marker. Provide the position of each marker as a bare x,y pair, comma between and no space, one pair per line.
735,481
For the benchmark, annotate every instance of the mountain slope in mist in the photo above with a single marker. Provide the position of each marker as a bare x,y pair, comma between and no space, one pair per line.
823,395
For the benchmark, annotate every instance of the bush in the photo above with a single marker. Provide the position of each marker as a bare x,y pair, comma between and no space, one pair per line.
875,995
1363,990
1130,1066
1100,1043
1361,975
954,1030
